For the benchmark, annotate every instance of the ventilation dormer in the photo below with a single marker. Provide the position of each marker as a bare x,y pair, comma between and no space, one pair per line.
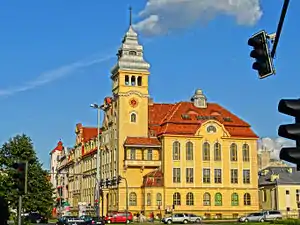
199,99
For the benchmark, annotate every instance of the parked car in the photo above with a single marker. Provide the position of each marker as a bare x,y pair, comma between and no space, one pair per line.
70,220
119,217
272,215
35,217
176,218
194,218
96,220
253,217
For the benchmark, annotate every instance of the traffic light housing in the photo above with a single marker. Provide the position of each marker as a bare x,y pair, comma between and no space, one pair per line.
119,179
114,181
263,61
20,177
290,107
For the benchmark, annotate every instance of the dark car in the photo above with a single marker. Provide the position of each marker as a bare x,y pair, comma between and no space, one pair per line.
96,220
34,217
63,220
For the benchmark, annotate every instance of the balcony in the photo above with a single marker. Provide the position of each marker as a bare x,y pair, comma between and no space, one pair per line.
142,163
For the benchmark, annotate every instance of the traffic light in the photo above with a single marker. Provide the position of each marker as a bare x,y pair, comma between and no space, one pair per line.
20,177
114,181
261,53
290,107
119,179
107,182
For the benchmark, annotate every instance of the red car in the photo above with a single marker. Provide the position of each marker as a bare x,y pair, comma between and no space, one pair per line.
119,217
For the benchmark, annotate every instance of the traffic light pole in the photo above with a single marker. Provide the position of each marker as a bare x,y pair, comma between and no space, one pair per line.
279,27
20,211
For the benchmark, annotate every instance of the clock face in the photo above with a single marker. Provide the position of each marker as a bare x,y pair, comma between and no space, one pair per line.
133,102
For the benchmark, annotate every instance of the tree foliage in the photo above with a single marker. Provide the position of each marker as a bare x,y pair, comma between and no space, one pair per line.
40,191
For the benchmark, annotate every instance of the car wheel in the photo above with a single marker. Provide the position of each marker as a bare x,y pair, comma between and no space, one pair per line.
262,220
185,221
246,220
128,221
197,221
169,221
108,221
38,221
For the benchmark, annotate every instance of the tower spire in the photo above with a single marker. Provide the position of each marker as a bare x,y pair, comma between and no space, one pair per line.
130,15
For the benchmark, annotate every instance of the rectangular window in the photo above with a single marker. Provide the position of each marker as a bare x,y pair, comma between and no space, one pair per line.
246,176
176,175
234,176
189,175
149,155
206,176
218,176
132,154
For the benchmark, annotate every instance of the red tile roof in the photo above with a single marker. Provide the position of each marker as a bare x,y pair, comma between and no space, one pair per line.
88,133
142,141
168,119
59,147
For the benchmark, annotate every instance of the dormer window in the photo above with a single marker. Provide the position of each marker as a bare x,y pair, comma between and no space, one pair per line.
132,53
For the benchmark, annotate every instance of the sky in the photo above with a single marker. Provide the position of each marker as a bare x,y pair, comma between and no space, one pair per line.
56,56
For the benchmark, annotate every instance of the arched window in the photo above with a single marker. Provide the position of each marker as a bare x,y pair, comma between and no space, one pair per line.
132,199
217,152
190,198
158,199
133,81
234,199
233,152
148,199
139,81
176,198
176,150
246,153
206,199
218,199
189,151
206,151
126,80
247,199
133,117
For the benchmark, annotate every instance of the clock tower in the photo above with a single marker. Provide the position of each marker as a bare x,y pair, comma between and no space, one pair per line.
130,90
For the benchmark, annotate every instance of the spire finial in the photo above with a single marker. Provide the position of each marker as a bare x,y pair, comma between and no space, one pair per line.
130,15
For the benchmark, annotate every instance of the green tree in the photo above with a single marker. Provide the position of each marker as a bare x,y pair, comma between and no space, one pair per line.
40,191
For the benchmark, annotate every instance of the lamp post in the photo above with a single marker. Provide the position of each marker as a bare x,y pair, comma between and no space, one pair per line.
98,160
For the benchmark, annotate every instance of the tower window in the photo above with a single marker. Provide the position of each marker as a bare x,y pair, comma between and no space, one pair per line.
133,80
126,80
132,52
133,118
139,81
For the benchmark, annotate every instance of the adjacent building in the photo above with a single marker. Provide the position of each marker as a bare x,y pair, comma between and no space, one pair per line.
279,189
190,156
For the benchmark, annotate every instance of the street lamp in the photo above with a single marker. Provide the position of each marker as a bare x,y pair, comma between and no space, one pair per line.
98,160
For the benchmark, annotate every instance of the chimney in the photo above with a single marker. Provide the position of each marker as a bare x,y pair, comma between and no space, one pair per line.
150,101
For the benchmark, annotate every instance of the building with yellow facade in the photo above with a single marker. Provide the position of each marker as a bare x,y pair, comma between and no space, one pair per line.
191,156
279,189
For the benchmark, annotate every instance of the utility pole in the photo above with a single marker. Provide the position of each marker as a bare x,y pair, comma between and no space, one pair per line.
99,158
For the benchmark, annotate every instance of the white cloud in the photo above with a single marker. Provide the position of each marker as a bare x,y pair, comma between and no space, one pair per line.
52,75
163,16
274,145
